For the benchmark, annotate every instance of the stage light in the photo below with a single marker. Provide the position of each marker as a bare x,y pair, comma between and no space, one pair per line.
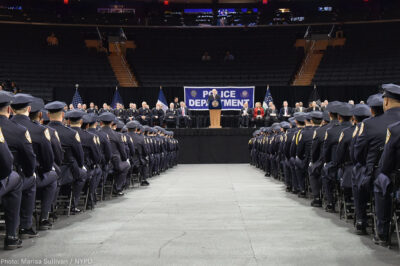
166,2
265,2
66,2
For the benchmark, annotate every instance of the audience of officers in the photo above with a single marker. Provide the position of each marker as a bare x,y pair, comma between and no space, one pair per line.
177,115
346,159
45,151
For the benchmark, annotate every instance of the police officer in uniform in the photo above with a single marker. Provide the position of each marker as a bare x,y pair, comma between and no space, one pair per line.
72,168
314,169
10,185
119,157
135,131
332,135
303,153
388,178
91,152
46,177
20,143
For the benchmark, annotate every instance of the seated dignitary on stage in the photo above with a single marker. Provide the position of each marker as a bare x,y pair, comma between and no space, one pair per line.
120,112
119,157
285,111
245,115
157,117
91,154
171,116
20,144
46,177
258,115
72,168
10,184
144,114
313,107
183,115
272,115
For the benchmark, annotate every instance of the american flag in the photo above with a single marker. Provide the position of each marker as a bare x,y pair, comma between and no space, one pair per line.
76,99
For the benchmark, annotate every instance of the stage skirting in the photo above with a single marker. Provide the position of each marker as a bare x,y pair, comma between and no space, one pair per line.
226,145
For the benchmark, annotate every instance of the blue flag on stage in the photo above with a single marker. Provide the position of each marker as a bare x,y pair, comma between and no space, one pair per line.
162,100
267,98
116,99
77,98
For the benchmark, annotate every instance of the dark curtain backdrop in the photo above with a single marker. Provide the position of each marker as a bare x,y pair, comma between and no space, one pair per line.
150,94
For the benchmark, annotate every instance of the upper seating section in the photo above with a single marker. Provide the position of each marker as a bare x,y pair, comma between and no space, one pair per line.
172,57
26,58
371,56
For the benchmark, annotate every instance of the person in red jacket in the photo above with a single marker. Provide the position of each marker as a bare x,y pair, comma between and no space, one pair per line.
258,115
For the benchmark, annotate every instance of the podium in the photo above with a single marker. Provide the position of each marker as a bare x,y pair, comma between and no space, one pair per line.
215,113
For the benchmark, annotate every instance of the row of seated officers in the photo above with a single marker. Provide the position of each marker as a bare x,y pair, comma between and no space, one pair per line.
346,156
44,150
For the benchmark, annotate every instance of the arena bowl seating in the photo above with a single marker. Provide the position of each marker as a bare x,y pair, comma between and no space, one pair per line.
26,59
172,57
371,56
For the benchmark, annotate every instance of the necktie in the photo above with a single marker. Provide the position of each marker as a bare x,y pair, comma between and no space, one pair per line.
183,111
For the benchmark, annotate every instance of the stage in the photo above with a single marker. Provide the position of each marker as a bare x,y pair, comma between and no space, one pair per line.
204,145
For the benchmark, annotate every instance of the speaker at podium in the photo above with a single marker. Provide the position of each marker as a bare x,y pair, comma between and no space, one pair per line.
215,106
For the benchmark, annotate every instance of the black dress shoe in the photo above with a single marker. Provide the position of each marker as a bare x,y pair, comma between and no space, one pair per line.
316,203
27,233
302,194
360,228
381,241
144,183
53,215
45,225
288,189
12,242
75,210
330,208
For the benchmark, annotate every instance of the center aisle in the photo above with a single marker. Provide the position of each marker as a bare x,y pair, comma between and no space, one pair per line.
207,215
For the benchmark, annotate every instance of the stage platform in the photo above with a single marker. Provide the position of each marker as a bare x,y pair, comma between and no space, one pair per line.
204,145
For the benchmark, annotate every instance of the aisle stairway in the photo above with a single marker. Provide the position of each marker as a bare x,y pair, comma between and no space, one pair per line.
117,60
314,51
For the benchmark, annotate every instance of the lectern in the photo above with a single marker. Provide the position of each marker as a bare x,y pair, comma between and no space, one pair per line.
215,113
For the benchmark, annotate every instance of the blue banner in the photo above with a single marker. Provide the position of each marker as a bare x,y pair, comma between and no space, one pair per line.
232,98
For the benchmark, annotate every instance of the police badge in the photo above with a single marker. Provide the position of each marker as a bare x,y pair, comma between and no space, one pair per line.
1,136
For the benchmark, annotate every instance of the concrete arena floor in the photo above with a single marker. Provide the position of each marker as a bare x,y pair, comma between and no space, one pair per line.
225,214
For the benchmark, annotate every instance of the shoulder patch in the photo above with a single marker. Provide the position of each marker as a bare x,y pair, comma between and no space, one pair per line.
1,136
28,137
78,139
326,135
55,133
361,129
341,137
388,134
355,132
47,134
315,134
